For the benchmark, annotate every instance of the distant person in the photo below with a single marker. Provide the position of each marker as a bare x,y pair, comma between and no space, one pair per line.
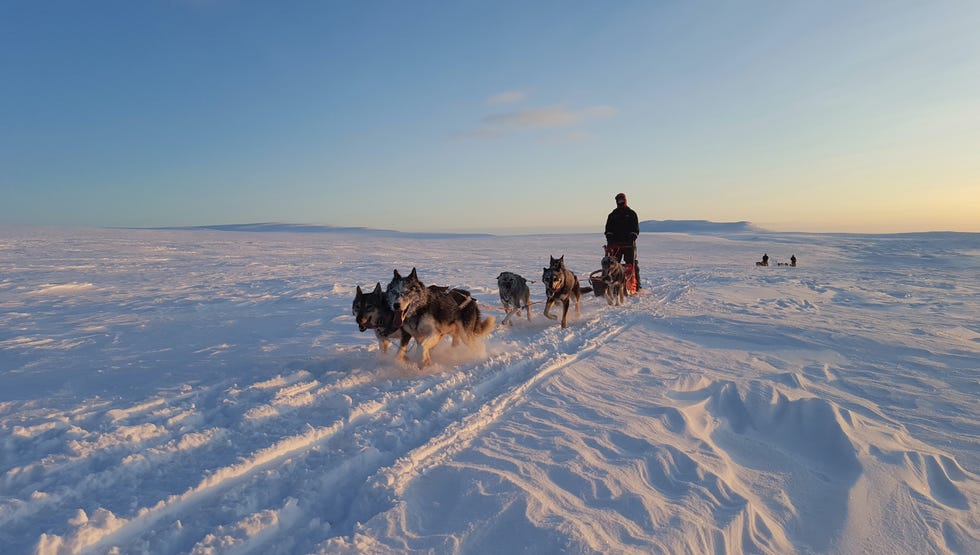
792,260
765,260
622,228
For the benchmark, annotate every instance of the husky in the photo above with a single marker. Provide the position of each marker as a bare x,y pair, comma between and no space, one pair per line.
514,294
469,313
561,284
614,278
371,311
430,313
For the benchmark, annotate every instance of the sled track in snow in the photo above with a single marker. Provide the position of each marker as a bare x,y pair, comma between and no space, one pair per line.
497,385
459,434
352,457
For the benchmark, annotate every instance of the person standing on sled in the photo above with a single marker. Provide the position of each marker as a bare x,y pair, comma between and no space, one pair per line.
622,228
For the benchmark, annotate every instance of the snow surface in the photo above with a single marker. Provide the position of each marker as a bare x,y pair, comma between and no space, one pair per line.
208,392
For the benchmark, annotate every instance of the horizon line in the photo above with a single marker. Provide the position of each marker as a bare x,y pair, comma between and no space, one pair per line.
683,226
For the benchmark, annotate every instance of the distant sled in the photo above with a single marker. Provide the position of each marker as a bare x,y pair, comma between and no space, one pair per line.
792,262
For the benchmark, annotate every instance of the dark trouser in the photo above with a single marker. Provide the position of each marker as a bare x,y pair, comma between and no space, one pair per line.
627,254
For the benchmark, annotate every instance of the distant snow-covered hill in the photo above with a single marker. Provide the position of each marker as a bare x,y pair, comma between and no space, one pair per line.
695,226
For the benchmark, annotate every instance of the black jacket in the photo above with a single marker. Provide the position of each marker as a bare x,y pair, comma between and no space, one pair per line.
622,226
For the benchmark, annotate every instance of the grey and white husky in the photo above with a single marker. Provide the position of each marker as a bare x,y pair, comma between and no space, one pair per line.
430,313
614,277
561,284
514,294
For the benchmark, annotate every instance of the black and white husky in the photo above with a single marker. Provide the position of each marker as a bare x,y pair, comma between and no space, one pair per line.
430,313
561,284
514,294
371,311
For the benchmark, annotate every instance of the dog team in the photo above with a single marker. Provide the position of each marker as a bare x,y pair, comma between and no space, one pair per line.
765,261
408,309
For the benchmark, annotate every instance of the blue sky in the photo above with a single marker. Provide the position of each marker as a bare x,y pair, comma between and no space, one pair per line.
491,116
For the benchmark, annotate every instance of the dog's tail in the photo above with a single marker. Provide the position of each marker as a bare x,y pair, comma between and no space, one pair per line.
485,326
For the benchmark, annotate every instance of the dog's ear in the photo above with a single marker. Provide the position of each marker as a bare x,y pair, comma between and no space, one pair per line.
359,291
377,288
396,274
413,275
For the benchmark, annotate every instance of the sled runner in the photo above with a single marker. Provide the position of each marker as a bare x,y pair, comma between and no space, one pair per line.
596,277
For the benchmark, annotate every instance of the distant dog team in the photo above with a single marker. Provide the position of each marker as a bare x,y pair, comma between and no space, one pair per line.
765,261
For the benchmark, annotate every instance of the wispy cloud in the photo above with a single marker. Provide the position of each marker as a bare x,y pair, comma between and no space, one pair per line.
507,97
574,137
539,118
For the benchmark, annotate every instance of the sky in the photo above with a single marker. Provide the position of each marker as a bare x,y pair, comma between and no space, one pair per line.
491,116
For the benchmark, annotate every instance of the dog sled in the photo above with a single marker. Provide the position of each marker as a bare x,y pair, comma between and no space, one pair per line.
599,285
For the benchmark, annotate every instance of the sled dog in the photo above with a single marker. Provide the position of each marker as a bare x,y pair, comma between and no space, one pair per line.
614,277
514,294
430,313
469,313
371,311
561,284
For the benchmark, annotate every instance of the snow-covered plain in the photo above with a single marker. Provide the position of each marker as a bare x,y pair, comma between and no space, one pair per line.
209,392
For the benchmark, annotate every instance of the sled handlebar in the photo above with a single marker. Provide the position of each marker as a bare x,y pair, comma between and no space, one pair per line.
613,249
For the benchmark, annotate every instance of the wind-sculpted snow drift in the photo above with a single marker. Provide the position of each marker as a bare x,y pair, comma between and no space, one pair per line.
204,392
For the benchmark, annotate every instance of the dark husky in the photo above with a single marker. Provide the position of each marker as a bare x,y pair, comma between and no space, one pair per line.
614,277
561,284
514,294
372,312
429,313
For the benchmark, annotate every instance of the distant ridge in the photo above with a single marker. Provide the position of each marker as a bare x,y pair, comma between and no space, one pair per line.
285,228
695,226
277,227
